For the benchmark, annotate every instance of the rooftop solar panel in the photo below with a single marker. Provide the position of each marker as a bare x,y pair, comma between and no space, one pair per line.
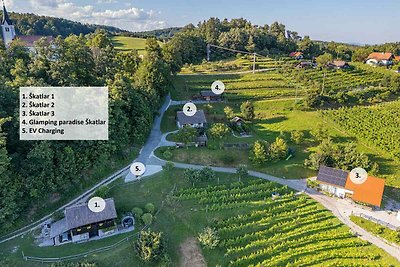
332,176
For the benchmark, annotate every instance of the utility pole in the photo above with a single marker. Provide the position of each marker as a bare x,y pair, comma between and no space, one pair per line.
254,63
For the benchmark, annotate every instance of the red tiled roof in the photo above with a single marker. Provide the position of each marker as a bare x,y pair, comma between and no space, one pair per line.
380,56
370,192
29,40
397,58
295,54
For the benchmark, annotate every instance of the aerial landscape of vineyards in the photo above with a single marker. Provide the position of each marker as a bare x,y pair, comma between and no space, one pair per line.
256,229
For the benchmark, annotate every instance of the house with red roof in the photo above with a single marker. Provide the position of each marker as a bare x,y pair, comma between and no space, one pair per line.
297,55
380,59
337,182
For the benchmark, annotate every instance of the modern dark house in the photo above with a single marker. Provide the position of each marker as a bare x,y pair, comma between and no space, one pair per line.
337,182
81,224
198,120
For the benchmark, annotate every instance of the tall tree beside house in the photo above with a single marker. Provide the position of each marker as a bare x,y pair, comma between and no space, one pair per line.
247,110
324,59
186,135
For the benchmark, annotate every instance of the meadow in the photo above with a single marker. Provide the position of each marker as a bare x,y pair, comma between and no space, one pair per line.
126,43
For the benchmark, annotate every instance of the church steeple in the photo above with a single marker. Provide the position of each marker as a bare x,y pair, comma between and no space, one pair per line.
6,18
6,27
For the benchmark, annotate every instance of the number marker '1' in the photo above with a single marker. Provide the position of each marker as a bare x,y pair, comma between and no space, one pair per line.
96,204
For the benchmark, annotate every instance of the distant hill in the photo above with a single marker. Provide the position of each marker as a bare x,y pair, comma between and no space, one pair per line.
31,24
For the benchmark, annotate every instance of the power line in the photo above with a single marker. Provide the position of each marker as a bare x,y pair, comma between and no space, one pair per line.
235,51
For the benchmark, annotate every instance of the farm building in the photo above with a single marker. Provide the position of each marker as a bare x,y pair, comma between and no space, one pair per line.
198,120
210,96
337,182
339,64
305,65
81,224
297,55
380,59
237,121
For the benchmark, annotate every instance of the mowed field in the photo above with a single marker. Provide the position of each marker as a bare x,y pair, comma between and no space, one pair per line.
254,229
126,43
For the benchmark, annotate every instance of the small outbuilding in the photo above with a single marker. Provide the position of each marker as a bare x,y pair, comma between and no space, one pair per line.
210,96
338,64
296,55
237,121
305,65
198,120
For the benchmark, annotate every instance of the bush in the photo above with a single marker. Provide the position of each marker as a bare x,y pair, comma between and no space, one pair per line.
167,154
150,246
102,191
227,158
208,238
150,208
137,212
297,137
147,218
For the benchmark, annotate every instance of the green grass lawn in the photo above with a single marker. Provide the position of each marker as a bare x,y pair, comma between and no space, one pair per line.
377,229
180,219
126,43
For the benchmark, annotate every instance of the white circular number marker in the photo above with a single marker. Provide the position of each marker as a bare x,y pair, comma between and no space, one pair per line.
218,87
189,109
138,168
358,175
96,204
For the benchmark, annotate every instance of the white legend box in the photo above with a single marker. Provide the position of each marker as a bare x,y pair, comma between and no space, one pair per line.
63,113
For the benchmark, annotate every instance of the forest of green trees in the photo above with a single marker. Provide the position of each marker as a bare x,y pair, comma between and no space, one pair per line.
31,24
31,171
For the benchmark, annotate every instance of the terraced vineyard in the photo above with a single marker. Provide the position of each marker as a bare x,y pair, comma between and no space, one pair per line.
264,85
378,125
293,230
338,79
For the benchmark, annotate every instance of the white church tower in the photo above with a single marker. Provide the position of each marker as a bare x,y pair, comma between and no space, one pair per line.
7,29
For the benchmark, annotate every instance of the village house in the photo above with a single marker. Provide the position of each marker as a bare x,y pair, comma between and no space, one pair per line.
296,55
198,120
338,64
9,35
380,59
337,182
81,224
305,65
237,121
210,96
